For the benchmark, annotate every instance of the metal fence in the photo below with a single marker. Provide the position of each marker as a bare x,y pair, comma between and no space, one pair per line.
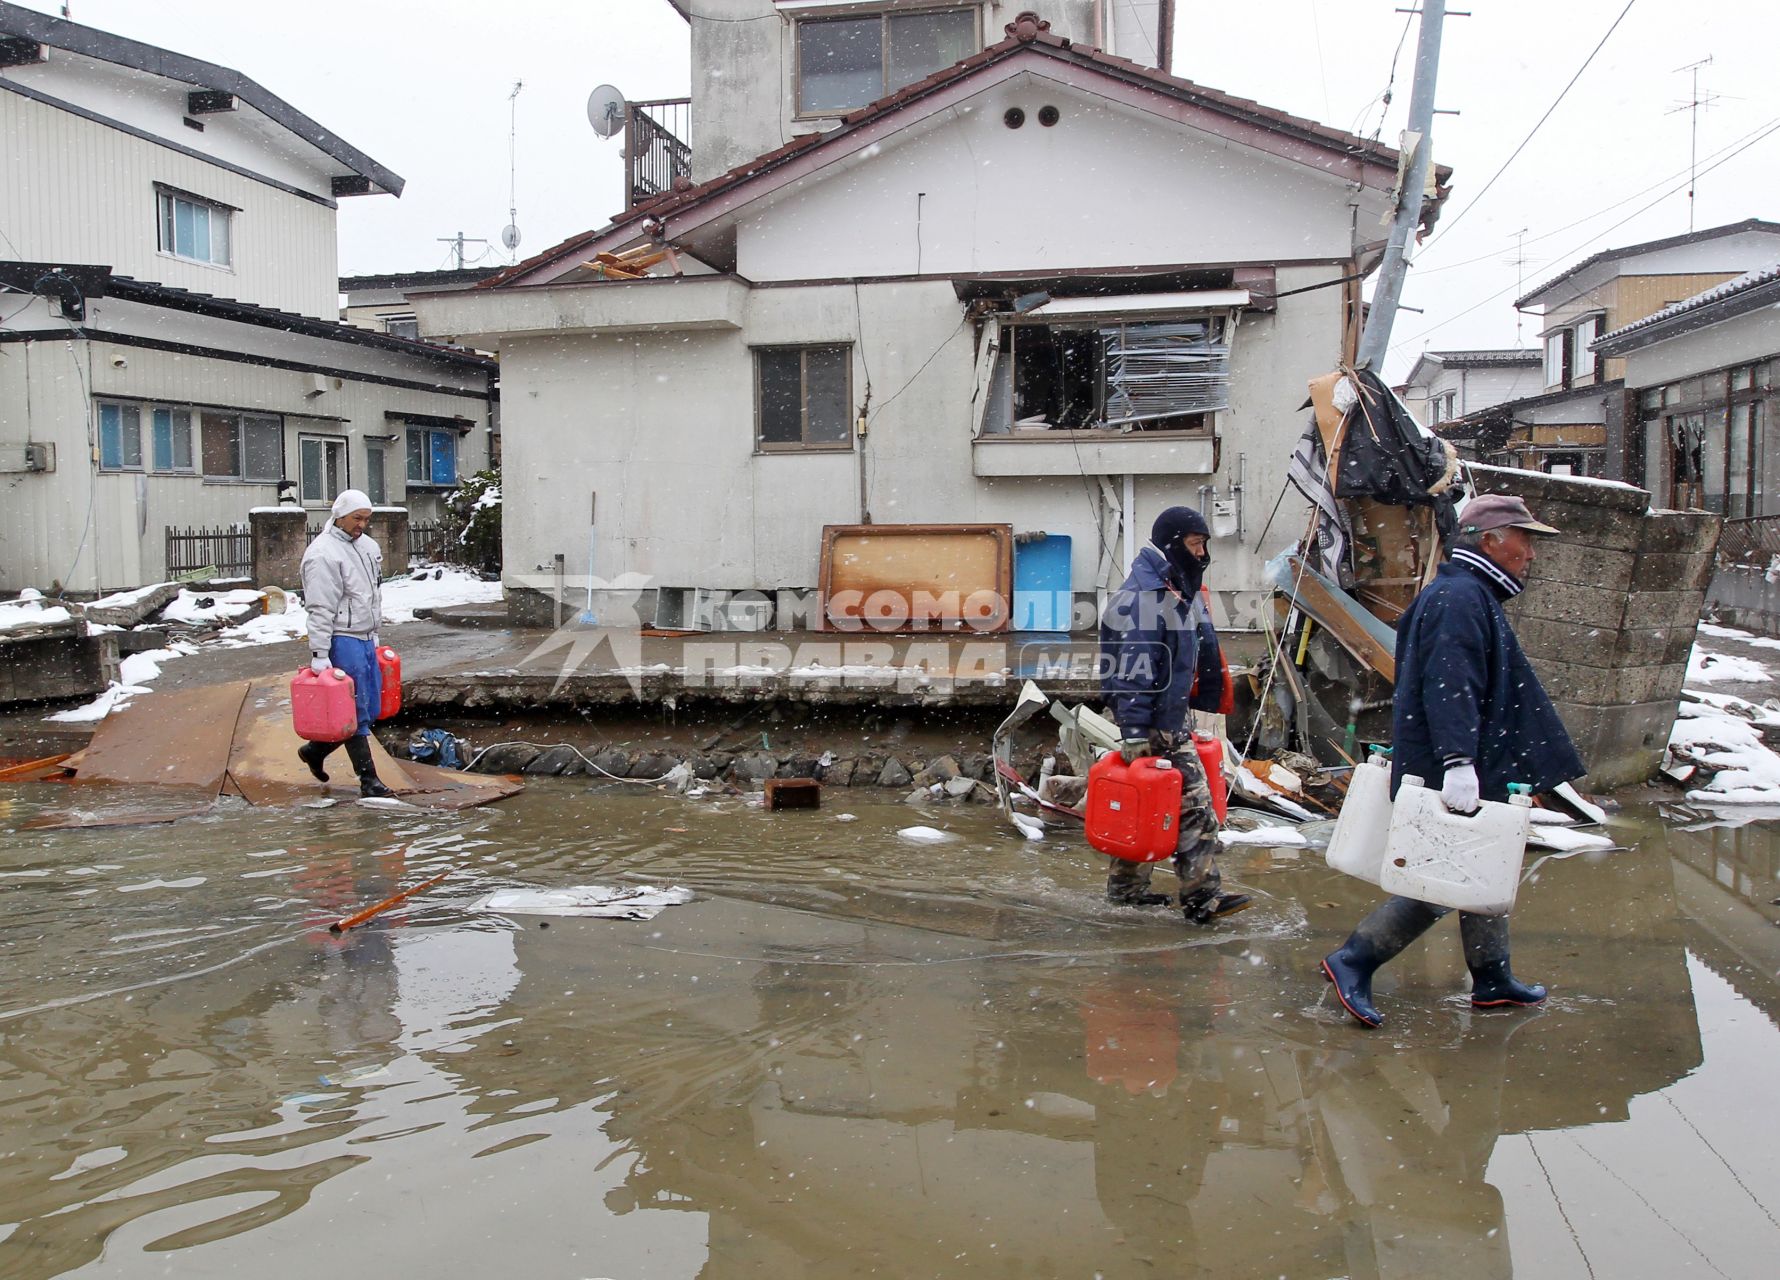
1755,541
228,550
656,152
426,540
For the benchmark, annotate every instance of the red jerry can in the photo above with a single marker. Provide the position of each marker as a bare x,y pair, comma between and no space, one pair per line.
321,705
1211,759
389,670
1134,809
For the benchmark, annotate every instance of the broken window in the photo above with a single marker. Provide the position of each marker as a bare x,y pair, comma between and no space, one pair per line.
802,397
1124,375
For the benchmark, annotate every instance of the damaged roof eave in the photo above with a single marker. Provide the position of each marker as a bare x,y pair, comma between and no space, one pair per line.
487,318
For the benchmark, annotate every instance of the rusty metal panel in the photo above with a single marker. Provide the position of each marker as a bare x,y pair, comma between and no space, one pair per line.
917,577
178,739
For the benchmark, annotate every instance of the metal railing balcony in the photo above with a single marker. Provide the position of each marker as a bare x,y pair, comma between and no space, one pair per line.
655,150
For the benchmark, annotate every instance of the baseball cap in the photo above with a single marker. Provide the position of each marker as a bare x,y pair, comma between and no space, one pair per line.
1499,511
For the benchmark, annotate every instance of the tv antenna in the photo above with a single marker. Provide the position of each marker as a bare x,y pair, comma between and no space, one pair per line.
606,110
1692,106
1520,275
510,233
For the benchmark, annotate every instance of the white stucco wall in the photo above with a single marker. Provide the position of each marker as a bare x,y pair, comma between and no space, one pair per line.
1476,387
744,67
1106,186
661,426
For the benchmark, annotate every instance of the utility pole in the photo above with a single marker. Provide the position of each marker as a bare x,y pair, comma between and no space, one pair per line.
458,242
1377,335
1692,107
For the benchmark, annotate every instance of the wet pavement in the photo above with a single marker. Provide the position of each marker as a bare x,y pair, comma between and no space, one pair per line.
854,1055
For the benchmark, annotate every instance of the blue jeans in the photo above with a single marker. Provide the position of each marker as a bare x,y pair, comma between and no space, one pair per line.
358,659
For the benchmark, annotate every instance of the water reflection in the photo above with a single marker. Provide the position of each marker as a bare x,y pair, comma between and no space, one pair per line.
853,1055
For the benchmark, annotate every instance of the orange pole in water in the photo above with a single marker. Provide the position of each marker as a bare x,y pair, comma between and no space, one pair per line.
358,918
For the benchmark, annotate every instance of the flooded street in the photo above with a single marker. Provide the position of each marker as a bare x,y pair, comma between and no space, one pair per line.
854,1054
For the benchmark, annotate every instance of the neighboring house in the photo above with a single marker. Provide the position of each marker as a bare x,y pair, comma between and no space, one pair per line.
170,349
1444,386
1577,421
383,303
1040,286
1701,374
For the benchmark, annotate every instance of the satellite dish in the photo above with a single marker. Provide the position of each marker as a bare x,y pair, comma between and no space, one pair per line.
510,236
605,110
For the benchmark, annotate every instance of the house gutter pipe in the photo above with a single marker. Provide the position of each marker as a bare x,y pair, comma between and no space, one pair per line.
1383,315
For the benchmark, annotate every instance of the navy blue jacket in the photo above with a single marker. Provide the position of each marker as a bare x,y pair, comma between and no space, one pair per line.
1154,648
1465,688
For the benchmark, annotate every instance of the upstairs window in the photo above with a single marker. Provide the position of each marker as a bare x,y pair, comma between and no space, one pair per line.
843,63
1557,358
194,229
402,326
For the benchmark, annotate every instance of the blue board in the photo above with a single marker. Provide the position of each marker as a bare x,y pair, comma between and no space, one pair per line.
1042,597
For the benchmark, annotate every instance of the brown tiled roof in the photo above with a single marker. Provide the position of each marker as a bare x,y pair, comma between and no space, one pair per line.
1022,35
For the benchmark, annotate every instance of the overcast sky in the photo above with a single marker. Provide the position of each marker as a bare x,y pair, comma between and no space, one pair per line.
423,88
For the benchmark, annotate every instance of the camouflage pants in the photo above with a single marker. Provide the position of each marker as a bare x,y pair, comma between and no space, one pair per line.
1196,844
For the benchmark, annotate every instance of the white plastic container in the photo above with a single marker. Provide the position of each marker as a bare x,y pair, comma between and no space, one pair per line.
1363,827
1468,861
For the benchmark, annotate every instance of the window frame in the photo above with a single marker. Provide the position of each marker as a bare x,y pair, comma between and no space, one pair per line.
150,458
124,465
426,431
884,16
167,200
242,419
406,319
1001,380
803,444
326,440
377,471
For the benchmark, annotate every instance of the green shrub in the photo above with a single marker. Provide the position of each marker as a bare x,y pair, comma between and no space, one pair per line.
471,523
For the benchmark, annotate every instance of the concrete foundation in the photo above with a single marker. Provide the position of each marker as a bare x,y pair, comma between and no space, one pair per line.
1746,596
1610,612
280,536
56,663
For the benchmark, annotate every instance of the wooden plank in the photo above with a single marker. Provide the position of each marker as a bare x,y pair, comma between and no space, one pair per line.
1331,613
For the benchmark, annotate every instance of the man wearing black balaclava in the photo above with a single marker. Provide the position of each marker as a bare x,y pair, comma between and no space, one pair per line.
1160,658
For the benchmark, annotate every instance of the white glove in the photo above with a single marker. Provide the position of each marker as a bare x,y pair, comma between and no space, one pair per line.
374,643
1458,792
321,666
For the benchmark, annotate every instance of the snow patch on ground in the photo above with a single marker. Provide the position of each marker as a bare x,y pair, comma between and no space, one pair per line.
1277,837
434,589
1747,771
193,608
1710,668
134,674
1731,633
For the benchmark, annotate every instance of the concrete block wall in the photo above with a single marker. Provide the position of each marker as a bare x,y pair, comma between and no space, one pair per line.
1610,611
281,536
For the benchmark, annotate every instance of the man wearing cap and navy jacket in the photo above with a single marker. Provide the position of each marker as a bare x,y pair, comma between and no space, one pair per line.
1470,711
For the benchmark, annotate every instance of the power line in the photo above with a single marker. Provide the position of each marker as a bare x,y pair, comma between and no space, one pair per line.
1590,217
1484,190
1592,239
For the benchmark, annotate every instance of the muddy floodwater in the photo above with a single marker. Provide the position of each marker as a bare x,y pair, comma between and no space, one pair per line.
853,1054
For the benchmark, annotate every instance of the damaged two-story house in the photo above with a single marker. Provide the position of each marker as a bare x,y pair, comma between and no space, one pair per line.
956,268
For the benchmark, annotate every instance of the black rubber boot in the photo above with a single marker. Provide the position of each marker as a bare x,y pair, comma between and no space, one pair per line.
1205,908
369,785
1128,885
1393,925
1493,984
313,753
1138,898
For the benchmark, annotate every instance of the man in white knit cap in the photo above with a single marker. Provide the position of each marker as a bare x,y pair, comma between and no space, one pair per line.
342,576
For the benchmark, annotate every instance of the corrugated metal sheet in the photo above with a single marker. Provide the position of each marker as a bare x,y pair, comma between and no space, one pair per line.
73,190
